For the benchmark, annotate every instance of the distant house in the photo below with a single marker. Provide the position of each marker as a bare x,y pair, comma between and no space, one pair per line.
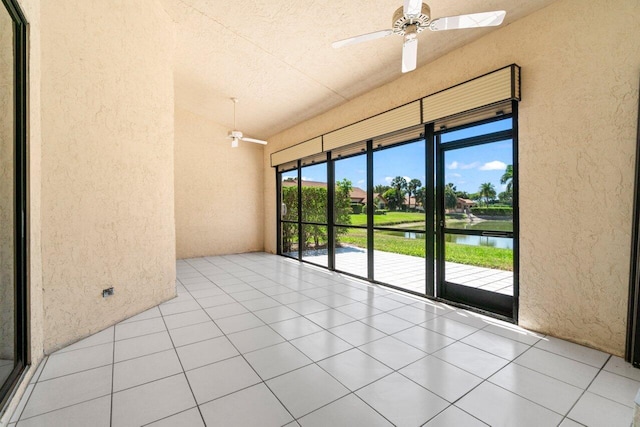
294,183
410,201
358,195
465,205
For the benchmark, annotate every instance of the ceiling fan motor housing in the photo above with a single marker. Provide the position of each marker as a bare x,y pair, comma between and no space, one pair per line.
400,21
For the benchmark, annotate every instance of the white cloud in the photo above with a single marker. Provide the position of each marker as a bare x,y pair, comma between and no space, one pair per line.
496,165
457,165
469,166
455,175
361,181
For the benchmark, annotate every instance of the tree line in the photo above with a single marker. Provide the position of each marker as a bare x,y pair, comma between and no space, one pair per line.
398,193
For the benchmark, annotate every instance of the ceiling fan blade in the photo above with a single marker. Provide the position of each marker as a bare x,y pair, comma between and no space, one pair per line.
361,38
474,20
412,8
257,141
409,55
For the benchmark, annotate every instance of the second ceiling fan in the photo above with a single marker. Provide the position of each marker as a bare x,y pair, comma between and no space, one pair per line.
235,135
414,17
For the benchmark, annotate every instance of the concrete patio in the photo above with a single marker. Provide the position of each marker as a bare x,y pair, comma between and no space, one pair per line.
408,272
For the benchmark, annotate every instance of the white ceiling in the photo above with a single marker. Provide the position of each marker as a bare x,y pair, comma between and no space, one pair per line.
275,56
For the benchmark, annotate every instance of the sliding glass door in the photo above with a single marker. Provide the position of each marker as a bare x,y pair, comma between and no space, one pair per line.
434,214
350,215
399,221
476,234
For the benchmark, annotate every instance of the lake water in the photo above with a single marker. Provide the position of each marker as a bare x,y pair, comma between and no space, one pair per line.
494,242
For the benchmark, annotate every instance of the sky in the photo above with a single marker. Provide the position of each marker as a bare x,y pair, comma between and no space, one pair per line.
466,168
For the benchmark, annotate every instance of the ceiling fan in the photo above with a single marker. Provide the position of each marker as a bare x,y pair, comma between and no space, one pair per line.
413,18
236,135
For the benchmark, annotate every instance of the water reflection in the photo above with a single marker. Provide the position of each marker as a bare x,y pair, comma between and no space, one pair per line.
493,242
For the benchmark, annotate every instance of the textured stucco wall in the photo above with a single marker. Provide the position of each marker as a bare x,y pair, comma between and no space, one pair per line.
31,9
578,117
107,163
6,187
218,190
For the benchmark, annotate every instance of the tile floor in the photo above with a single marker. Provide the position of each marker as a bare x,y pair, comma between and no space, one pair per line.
261,340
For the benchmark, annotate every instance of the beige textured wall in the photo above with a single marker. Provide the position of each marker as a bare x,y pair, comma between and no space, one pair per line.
31,9
218,190
6,188
107,163
578,117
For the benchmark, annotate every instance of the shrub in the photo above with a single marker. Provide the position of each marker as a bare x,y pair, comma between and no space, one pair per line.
380,212
356,208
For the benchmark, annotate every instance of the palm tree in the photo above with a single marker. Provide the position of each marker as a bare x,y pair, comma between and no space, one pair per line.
507,178
412,186
420,194
400,185
380,189
488,191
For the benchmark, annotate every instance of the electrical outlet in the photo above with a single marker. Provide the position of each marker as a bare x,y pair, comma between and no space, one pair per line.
107,292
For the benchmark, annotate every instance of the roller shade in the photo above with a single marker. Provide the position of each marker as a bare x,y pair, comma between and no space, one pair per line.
413,133
399,118
318,158
349,150
299,151
492,88
474,116
286,167
478,99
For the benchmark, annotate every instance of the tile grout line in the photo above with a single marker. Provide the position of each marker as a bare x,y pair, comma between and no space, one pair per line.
113,368
61,408
586,388
169,416
564,357
35,383
184,373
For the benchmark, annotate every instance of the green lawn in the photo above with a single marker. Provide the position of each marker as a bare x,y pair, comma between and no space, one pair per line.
481,256
390,218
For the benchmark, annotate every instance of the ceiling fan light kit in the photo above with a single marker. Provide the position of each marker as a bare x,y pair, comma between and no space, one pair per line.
236,135
413,18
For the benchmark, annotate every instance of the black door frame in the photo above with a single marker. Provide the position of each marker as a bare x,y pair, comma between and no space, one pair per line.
632,350
21,230
503,306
